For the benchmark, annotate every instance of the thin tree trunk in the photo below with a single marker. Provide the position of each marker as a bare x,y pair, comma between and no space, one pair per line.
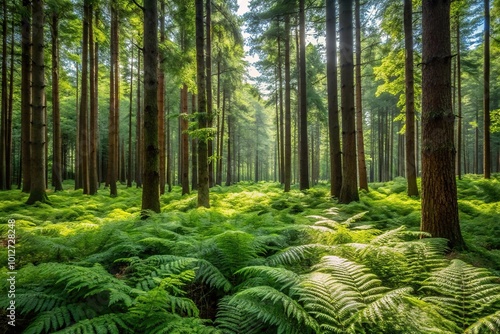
184,160
138,133
3,128
411,174
229,173
194,151
38,181
208,61
439,192
129,164
304,160
288,110
486,93
203,181
9,153
281,132
161,103
349,191
151,187
83,117
94,118
221,139
363,179
26,110
113,104
333,108
459,104
56,118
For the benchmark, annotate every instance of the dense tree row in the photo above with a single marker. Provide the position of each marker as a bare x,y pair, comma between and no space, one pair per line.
152,93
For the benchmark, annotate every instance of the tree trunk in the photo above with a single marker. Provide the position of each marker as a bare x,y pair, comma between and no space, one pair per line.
333,107
411,174
9,151
38,128
184,160
56,118
304,160
288,111
113,161
194,151
281,131
161,103
229,173
94,118
138,133
151,187
208,61
83,130
3,128
221,139
349,191
439,192
26,109
129,160
363,179
486,93
203,182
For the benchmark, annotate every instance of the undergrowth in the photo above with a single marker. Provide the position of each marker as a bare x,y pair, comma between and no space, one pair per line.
257,261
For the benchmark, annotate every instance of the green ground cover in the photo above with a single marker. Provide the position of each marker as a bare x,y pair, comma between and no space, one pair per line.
258,261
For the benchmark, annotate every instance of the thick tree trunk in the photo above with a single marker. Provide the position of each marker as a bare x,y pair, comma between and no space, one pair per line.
151,187
363,179
333,106
203,182
349,190
288,111
38,128
439,192
486,94
304,160
411,173
26,110
56,118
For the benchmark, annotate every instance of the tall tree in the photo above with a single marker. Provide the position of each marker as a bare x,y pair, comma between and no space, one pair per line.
288,110
349,190
363,179
56,117
4,107
93,122
129,155
184,143
38,128
161,103
138,133
114,92
411,173
439,192
208,61
459,100
151,186
26,108
486,93
333,107
83,116
304,160
203,182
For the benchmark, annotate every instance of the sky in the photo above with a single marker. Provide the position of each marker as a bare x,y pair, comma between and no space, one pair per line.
252,71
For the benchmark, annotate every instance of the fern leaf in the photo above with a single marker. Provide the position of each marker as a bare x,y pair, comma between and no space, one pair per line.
283,277
296,254
59,317
487,324
231,319
108,323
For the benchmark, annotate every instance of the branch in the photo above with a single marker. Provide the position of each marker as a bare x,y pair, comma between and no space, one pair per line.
141,7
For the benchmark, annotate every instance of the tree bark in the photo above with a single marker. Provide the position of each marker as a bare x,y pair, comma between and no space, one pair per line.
129,160
203,182
194,151
208,61
38,128
363,179
161,104
138,133
184,159
304,160
333,106
26,108
349,190
94,118
113,161
459,103
486,93
439,192
411,174
3,127
83,117
151,187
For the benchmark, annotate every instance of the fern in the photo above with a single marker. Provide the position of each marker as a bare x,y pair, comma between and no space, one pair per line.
296,254
281,277
487,324
104,324
461,292
232,319
59,317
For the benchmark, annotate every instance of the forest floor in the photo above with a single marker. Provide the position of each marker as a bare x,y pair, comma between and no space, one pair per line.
254,221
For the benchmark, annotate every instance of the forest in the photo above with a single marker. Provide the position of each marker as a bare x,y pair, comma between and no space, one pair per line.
250,166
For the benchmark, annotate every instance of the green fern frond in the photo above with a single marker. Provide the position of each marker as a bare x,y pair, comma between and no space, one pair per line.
462,292
32,301
59,317
275,308
388,303
356,276
231,319
487,324
423,257
281,277
296,254
104,324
